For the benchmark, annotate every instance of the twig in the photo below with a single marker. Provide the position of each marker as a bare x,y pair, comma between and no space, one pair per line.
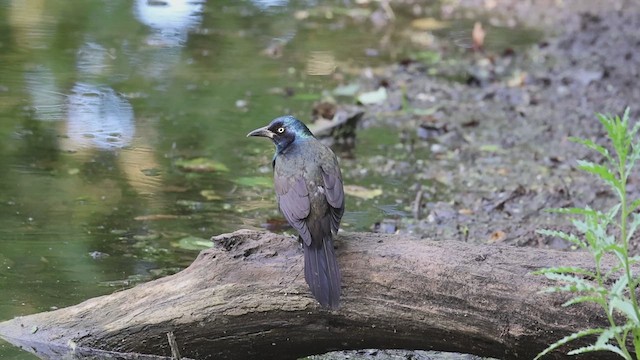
175,353
417,204
388,10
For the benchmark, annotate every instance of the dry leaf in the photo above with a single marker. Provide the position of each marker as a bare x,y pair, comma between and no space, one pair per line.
497,236
210,195
429,24
362,192
478,34
154,217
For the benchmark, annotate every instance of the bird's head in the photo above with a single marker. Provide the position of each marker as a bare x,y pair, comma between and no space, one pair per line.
283,131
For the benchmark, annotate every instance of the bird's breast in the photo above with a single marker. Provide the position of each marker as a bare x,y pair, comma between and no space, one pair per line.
296,164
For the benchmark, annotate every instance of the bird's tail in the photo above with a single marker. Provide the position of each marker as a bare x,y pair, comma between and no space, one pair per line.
322,273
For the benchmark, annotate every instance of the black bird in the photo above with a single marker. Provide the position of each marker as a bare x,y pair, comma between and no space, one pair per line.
310,195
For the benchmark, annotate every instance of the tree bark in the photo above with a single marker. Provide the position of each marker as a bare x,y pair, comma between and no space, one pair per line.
246,298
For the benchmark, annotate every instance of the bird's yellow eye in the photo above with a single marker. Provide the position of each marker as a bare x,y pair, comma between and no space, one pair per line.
280,130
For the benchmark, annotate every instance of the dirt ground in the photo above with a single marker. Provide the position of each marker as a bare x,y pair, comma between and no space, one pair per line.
499,145
499,148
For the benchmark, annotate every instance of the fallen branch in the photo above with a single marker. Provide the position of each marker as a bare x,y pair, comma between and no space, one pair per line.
246,298
173,345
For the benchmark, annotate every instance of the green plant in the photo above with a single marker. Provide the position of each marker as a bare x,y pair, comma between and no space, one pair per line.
602,233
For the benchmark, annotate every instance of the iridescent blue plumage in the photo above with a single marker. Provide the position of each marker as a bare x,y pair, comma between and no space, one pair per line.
310,195
296,131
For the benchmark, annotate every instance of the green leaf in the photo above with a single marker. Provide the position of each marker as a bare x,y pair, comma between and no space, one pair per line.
565,270
201,165
567,339
617,133
618,250
562,235
362,192
597,232
347,90
599,170
556,289
636,339
582,299
373,97
592,348
634,205
306,96
608,124
614,269
192,243
581,226
633,225
613,212
626,308
259,181
429,24
619,285
610,333
588,212
592,145
625,121
633,158
210,195
576,284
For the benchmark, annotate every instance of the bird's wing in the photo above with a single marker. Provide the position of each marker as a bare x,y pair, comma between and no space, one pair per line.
334,193
293,200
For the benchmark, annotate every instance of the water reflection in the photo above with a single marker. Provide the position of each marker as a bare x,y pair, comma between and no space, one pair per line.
47,102
104,97
266,4
170,20
97,118
90,115
93,60
170,23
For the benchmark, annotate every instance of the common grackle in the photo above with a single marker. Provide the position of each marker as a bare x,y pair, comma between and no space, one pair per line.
310,195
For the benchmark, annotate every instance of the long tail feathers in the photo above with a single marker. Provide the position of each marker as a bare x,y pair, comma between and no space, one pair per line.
322,273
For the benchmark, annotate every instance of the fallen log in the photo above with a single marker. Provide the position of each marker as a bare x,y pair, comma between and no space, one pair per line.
246,298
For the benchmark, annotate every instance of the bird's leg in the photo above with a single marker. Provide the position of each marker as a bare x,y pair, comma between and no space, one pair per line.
300,242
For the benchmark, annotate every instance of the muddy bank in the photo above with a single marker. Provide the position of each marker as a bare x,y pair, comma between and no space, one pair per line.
497,141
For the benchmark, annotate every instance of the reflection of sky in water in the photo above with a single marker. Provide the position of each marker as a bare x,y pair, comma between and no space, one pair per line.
98,118
265,4
171,20
46,101
93,59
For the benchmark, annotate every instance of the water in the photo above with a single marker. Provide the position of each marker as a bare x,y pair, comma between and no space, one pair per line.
101,102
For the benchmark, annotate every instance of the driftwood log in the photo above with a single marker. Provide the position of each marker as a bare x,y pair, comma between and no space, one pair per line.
246,298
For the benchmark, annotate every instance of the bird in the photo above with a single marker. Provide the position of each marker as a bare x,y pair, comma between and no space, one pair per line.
310,195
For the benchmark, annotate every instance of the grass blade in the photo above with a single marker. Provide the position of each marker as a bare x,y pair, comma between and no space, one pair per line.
566,339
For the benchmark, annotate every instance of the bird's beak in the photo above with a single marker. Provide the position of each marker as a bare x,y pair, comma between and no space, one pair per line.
263,131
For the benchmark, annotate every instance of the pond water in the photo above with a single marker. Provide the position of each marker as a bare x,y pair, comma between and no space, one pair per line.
123,130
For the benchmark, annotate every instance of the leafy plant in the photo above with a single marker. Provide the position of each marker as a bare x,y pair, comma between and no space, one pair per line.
601,233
